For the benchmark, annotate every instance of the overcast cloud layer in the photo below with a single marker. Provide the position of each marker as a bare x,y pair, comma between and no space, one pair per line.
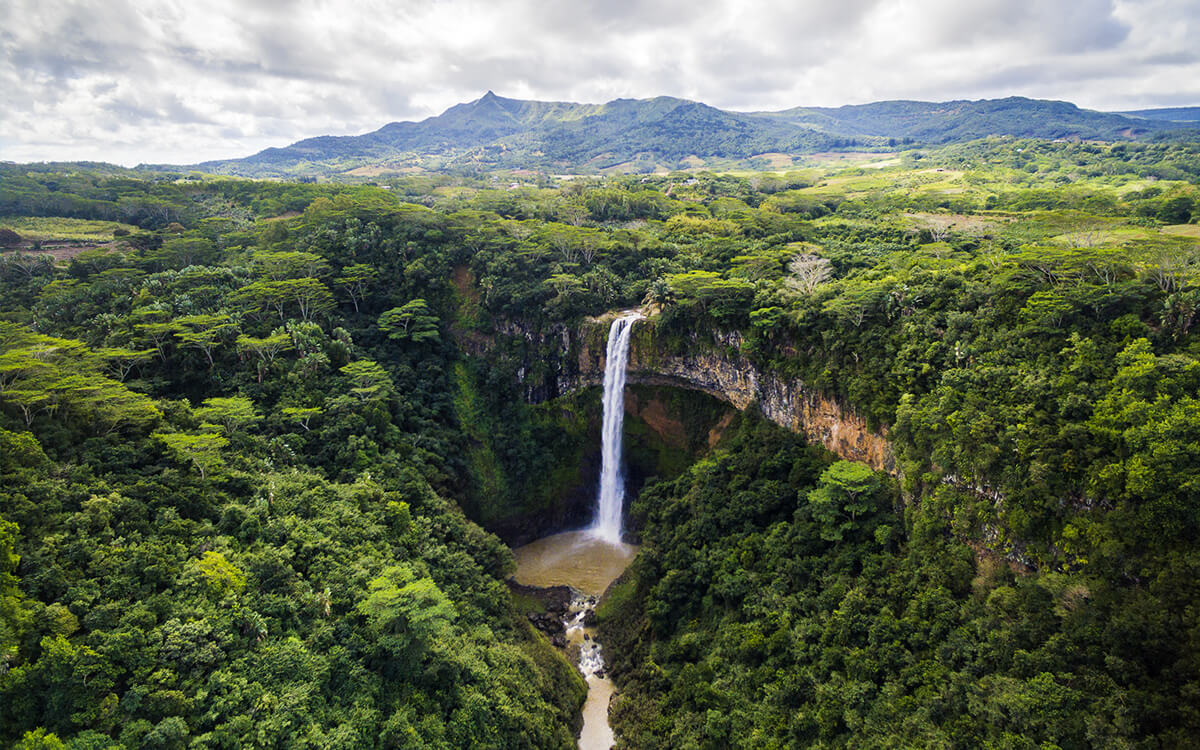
175,81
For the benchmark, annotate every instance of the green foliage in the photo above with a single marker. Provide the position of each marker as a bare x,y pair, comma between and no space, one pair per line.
204,332
219,574
13,617
411,321
355,280
203,450
726,300
234,413
40,739
41,376
744,624
401,603
845,491
1149,425
286,564
180,252
368,380
266,348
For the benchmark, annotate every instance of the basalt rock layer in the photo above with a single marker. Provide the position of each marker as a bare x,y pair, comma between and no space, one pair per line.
563,360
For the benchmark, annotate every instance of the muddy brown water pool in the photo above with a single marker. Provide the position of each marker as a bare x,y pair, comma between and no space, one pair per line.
588,565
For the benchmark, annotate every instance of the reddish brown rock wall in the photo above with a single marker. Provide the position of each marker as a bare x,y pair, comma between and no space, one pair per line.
721,371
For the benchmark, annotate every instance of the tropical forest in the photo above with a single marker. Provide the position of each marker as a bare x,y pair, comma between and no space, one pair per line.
900,441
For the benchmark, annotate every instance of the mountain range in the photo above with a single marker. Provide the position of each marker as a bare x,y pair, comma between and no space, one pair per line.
641,135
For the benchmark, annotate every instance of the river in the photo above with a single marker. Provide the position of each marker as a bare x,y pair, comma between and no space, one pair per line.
588,564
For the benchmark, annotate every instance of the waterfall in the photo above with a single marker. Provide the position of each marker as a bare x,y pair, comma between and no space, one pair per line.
607,525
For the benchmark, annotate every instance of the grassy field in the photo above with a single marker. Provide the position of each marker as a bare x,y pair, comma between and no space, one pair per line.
1183,230
50,228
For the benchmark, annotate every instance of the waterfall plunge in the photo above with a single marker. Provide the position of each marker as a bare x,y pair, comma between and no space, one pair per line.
607,525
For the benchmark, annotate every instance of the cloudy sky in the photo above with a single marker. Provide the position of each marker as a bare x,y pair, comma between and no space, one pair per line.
180,81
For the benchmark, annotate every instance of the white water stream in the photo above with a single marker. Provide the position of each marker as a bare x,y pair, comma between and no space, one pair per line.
589,560
611,498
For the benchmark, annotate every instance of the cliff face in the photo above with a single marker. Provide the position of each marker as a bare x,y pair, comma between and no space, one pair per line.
788,403
573,359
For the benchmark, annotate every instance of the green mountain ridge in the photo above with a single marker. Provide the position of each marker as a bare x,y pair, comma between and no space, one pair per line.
1168,114
644,135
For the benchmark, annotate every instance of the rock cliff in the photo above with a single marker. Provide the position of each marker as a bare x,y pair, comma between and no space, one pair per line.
566,360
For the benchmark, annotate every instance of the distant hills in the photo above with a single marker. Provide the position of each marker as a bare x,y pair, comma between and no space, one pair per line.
642,135
1168,114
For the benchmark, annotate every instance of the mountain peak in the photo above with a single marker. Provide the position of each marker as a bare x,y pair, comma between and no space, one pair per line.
670,132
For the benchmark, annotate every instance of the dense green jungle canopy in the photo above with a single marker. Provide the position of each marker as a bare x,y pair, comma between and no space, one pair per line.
248,431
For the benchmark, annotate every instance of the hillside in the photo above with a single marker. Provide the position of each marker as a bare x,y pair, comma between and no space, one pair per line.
1168,114
644,135
950,122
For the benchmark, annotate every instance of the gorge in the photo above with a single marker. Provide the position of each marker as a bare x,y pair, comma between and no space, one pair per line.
588,561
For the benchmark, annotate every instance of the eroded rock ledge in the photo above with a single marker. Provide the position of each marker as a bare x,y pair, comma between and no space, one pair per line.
569,359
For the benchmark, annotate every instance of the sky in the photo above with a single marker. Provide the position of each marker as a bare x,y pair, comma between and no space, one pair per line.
139,81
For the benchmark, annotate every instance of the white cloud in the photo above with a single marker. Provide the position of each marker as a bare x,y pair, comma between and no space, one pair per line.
151,81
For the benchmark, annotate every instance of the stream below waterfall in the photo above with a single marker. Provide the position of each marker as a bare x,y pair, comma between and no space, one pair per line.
587,564
588,561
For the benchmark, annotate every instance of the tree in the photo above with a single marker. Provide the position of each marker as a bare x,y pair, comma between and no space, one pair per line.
278,266
181,252
219,574
854,301
411,614
766,318
28,265
262,296
203,450
355,279
234,413
722,298
41,374
311,296
568,240
302,414
266,349
845,491
31,402
157,328
1170,264
26,371
806,272
569,293
368,380
204,332
12,618
40,739
1149,426
112,406
72,685
1177,210
1179,312
124,360
411,321
1046,308
759,265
